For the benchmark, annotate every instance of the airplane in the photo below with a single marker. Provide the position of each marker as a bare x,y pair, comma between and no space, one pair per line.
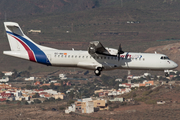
97,57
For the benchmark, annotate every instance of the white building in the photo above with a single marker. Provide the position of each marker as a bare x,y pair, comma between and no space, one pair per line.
4,79
18,93
89,107
8,73
147,74
114,93
53,81
118,79
134,85
29,79
136,77
34,31
71,108
62,76
51,91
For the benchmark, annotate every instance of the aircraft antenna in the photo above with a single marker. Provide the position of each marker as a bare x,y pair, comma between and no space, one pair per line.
5,19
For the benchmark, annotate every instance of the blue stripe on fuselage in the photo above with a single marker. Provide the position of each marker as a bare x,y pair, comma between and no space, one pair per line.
39,54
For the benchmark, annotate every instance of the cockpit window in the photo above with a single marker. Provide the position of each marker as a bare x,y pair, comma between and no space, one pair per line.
164,58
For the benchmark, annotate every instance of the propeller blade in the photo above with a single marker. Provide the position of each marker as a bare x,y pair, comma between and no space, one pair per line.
119,52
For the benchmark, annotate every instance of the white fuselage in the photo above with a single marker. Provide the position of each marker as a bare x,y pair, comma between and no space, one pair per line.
82,59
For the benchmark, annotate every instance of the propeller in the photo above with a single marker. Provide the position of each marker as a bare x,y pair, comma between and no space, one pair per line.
119,52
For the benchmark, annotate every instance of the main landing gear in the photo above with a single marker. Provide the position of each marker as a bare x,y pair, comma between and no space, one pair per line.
98,71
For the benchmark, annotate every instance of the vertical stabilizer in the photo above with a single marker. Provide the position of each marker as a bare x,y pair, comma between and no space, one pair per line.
14,33
22,46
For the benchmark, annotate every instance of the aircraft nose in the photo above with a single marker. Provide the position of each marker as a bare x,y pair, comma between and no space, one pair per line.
175,65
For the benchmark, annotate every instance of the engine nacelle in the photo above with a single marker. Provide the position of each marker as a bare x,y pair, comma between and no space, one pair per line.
112,51
91,50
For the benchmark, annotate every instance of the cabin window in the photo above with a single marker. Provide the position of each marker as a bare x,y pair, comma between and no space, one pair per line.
86,56
68,56
79,56
82,56
72,56
75,56
104,57
61,55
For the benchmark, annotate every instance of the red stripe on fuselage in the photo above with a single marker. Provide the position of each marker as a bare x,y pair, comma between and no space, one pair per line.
30,52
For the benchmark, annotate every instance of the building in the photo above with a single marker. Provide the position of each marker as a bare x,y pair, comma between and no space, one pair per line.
59,95
4,79
117,99
147,74
87,107
134,85
101,104
118,80
62,76
6,95
7,73
29,79
37,83
126,85
71,108
34,31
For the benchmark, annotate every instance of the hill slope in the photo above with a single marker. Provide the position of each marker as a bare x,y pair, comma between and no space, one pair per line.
90,20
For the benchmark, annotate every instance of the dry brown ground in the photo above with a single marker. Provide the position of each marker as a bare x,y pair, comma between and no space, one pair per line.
133,112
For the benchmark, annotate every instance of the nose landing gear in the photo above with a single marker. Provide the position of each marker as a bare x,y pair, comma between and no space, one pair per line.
166,73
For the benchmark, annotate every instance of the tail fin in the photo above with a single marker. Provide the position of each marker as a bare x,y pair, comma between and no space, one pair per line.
19,43
17,39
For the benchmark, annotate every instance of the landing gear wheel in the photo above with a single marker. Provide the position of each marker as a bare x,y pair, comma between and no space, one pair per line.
97,72
166,74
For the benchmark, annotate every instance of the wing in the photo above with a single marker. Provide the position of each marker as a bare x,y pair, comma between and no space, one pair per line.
97,47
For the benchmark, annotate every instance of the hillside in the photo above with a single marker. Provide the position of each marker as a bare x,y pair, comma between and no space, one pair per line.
144,106
90,20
